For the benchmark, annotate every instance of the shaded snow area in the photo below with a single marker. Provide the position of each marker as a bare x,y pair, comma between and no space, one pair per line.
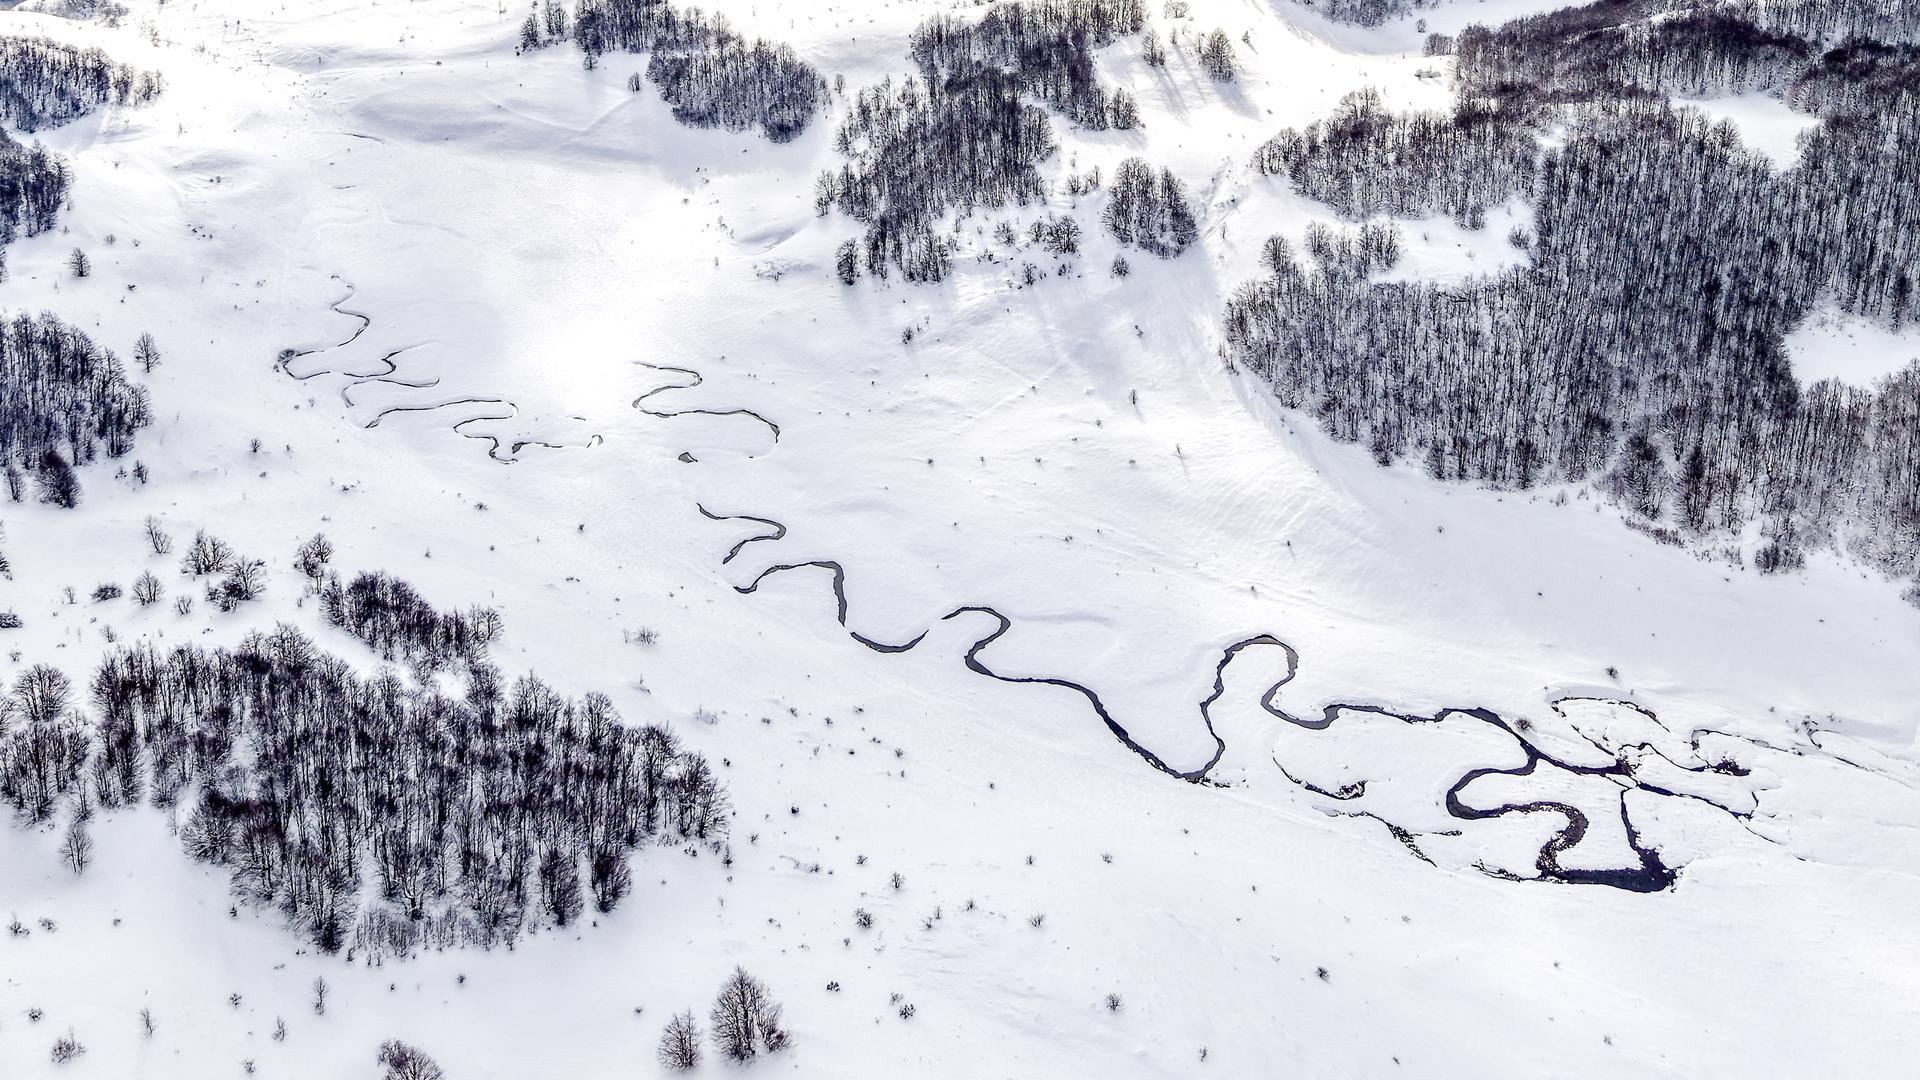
1081,712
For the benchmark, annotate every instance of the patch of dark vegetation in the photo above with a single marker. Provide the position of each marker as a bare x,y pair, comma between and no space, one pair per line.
44,83
711,75
1150,210
395,622
1365,161
33,187
964,133
378,816
735,85
1367,12
63,400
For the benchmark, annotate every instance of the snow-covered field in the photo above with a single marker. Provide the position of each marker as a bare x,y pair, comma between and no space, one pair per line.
488,266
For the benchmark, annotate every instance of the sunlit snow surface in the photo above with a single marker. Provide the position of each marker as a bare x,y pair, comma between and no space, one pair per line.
1832,344
367,230
1765,123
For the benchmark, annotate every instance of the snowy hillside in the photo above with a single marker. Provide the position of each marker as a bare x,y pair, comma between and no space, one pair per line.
1055,688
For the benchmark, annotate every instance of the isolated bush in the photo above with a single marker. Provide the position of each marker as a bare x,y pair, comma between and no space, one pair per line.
66,1048
404,1062
206,555
76,847
312,556
157,539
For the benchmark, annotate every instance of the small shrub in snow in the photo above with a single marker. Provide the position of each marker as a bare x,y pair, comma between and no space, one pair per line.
158,541
105,591
66,1048
404,1062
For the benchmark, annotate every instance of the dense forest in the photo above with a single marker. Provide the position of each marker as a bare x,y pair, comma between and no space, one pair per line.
1364,160
1819,21
62,397
379,816
44,83
965,133
1642,346
710,75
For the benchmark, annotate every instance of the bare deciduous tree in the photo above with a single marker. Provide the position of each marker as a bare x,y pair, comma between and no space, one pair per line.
680,1042
745,1018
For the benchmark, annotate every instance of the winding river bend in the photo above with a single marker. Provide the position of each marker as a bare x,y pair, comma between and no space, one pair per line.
497,409
1648,871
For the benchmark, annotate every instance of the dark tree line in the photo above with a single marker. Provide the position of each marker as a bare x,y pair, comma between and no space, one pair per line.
1642,345
735,85
1367,12
110,12
1617,49
710,75
62,396
1365,161
1830,22
964,133
394,621
1046,46
44,83
916,156
33,187
378,816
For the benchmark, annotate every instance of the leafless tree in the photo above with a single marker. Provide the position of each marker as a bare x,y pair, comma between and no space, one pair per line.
680,1042
746,1020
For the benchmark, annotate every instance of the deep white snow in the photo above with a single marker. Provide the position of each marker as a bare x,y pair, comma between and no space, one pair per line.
531,245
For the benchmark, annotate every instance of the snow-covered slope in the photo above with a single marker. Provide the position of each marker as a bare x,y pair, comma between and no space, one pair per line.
504,328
